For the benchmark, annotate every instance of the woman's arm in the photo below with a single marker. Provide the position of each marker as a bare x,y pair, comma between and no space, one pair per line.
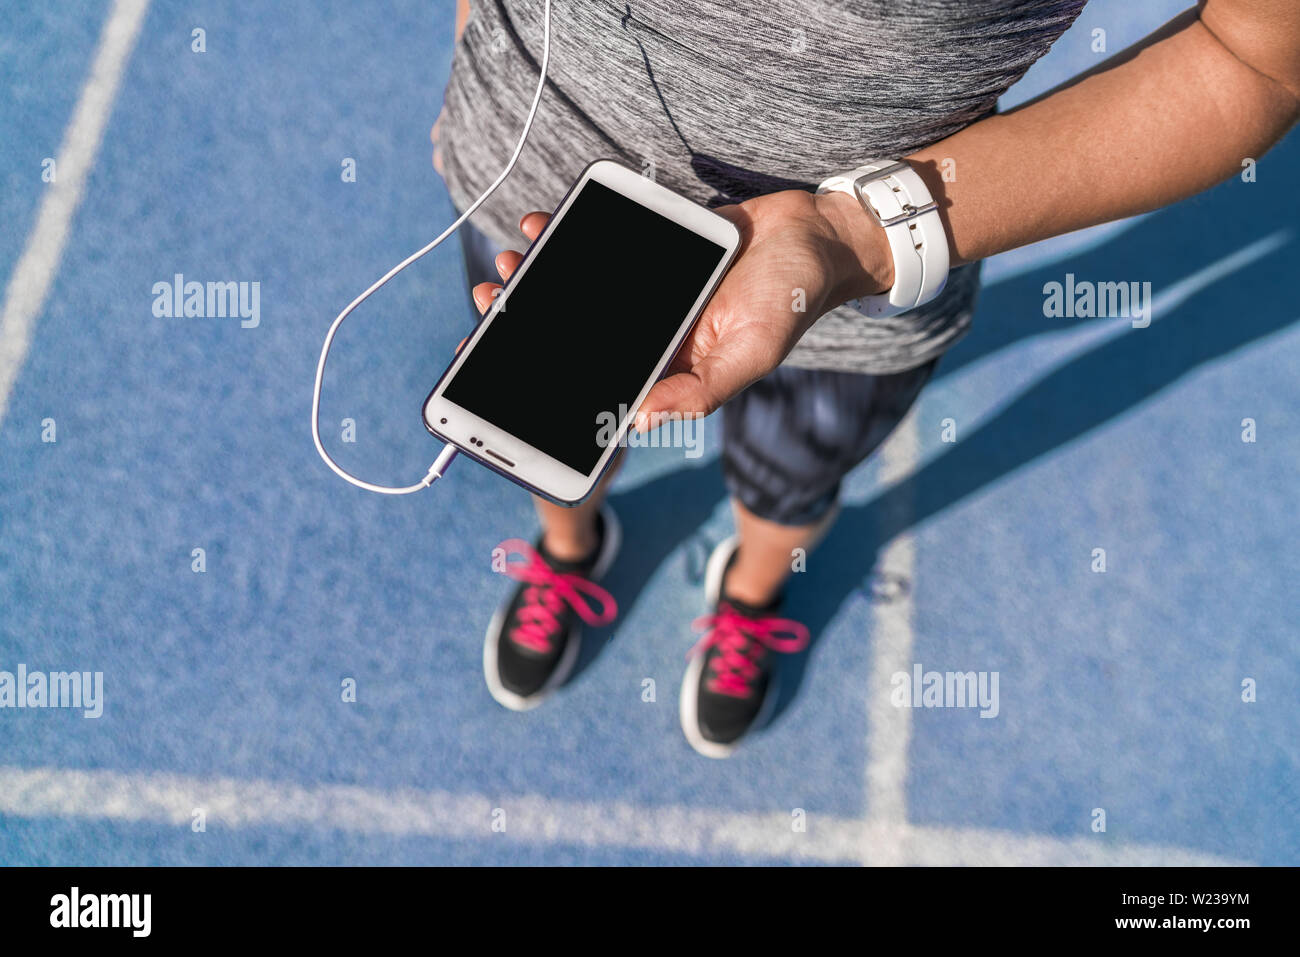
462,14
1157,123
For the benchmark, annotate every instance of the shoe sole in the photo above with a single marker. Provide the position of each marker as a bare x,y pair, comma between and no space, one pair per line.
688,700
569,657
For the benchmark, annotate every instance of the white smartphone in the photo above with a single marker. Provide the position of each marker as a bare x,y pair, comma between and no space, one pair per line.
582,330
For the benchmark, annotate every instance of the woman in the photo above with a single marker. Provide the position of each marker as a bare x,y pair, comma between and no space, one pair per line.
747,106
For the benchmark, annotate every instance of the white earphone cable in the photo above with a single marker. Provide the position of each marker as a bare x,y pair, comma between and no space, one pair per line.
448,453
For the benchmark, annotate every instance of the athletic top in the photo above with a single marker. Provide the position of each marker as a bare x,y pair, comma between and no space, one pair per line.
724,100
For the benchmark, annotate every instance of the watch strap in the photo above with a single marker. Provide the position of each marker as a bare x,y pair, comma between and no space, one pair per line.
898,199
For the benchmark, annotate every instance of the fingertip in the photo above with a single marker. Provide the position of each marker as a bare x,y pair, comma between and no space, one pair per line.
484,293
506,262
532,224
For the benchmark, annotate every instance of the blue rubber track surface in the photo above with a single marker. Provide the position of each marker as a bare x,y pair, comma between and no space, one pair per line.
1120,691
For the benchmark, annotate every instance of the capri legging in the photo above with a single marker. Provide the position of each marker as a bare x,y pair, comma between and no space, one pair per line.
789,439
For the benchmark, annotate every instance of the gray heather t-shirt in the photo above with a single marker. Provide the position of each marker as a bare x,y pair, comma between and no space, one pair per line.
724,100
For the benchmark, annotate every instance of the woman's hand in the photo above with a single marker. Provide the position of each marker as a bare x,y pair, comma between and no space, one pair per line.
801,255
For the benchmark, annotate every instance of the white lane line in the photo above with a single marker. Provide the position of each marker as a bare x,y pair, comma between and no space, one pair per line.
1091,333
39,262
171,799
889,729
1057,348
1173,296
978,847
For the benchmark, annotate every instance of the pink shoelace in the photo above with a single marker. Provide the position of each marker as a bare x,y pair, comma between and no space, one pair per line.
550,591
742,642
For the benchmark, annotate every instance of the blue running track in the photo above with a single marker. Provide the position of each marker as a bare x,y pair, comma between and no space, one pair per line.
1120,691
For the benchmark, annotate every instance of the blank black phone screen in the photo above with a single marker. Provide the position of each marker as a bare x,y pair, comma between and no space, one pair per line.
584,326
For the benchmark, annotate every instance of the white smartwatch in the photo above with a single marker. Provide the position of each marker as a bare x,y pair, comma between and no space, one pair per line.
893,193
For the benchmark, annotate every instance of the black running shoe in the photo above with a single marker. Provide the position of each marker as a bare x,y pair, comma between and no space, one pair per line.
532,643
729,687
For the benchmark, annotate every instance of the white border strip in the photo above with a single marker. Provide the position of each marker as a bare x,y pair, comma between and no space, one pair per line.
39,262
